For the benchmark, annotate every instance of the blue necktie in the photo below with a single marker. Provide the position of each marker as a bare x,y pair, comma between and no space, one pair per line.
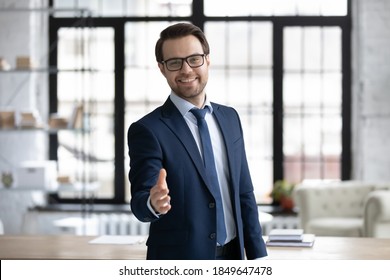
209,163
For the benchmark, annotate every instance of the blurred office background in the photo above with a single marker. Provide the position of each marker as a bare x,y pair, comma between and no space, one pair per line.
308,77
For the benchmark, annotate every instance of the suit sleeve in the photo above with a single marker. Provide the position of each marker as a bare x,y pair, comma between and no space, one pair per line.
145,164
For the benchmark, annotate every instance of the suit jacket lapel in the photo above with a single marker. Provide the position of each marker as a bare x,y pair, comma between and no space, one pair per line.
224,125
176,123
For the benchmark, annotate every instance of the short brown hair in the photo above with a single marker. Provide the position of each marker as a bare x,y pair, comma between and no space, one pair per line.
177,31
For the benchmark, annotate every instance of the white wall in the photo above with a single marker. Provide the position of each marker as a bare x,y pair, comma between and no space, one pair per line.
371,90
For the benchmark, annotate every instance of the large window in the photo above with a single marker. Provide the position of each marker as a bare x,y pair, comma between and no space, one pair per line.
312,103
86,78
241,76
284,65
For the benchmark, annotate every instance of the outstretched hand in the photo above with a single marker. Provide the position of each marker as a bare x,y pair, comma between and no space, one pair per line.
159,198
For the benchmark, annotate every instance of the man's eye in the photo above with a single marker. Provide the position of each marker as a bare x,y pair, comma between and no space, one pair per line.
174,62
194,59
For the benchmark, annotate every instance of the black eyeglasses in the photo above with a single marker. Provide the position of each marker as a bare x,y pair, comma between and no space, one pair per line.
175,64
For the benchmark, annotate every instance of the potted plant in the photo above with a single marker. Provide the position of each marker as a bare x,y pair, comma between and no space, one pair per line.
282,194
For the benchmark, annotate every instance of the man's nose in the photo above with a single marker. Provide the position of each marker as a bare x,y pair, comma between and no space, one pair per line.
186,67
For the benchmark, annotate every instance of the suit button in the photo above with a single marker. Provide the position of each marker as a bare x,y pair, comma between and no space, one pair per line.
213,235
211,205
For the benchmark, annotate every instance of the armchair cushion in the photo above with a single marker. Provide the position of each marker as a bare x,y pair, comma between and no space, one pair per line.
332,209
336,226
377,214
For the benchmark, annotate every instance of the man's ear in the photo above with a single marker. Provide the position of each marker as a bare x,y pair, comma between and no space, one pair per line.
162,69
208,60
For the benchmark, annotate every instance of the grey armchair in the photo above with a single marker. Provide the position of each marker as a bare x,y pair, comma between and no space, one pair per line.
346,208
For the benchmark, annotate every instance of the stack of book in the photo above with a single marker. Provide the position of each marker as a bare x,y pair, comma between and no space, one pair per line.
290,238
29,119
24,62
7,119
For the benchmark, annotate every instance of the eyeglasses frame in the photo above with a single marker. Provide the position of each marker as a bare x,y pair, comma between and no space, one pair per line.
203,55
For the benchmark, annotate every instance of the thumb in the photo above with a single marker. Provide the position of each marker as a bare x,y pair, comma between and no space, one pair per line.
161,181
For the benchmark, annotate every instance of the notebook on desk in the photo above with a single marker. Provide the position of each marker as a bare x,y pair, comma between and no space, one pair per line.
118,239
306,240
286,235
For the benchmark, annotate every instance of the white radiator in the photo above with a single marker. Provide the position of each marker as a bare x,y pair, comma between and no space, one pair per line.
120,224
125,224
103,224
282,222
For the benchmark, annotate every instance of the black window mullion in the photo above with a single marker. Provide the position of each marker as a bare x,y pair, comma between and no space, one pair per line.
53,104
119,113
346,155
278,158
198,17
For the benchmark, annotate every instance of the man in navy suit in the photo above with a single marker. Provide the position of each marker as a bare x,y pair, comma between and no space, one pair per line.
170,186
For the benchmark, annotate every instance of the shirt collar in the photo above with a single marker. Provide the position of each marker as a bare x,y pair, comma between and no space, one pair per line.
184,106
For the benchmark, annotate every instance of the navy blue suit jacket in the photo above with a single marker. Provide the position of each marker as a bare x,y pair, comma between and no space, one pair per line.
162,139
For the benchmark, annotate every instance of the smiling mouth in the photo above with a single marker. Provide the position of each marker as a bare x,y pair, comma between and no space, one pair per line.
190,80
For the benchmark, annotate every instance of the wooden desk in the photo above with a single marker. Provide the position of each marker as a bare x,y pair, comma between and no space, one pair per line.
77,247
65,247
336,248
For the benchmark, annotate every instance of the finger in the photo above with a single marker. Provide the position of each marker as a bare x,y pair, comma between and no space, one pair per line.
164,205
158,192
162,177
160,201
165,209
161,181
